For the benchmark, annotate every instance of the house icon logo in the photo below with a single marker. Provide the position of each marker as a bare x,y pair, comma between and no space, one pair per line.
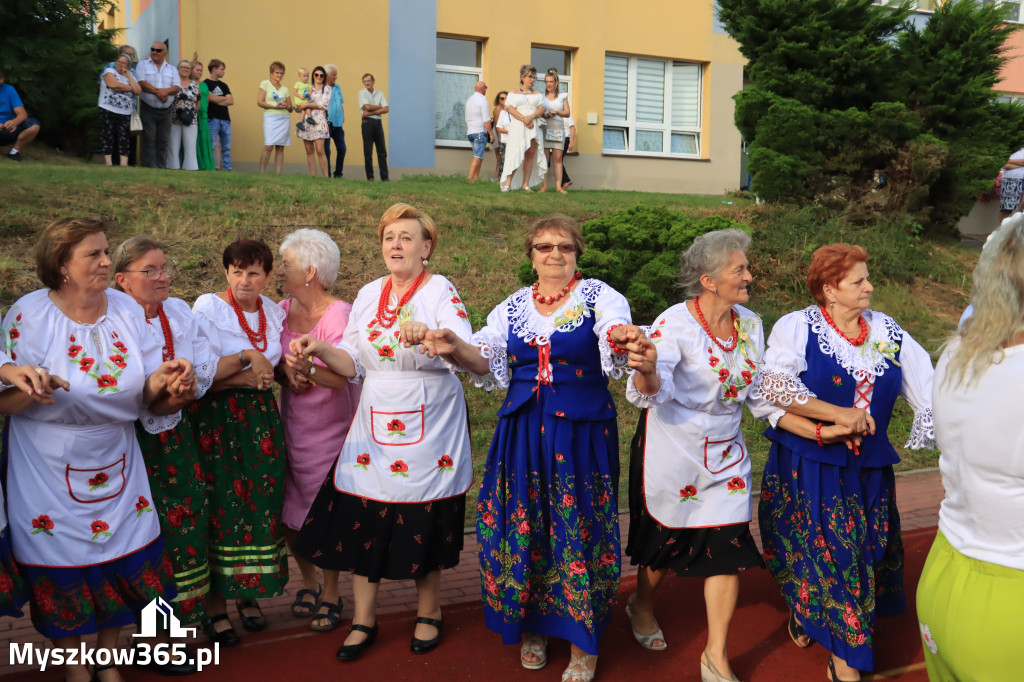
158,613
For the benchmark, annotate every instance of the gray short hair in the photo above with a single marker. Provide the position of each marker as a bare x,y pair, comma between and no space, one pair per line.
708,254
331,67
316,248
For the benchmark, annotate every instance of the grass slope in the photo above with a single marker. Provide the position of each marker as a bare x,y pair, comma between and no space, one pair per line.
480,249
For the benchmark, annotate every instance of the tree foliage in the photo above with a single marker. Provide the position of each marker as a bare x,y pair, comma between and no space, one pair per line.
844,93
52,56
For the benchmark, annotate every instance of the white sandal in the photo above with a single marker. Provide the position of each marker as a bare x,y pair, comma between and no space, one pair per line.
538,646
578,669
646,641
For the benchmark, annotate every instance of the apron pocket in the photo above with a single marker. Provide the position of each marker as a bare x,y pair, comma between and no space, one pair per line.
720,455
89,486
403,427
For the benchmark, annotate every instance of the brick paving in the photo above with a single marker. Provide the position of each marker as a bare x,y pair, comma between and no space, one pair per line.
918,494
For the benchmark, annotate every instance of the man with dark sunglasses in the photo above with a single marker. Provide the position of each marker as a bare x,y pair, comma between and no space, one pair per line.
160,85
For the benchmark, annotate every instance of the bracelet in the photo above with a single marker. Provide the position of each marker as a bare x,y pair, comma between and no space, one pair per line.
241,360
611,344
817,435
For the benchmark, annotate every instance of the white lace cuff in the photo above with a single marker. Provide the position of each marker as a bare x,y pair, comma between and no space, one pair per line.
612,364
644,401
492,348
922,434
155,424
781,388
205,372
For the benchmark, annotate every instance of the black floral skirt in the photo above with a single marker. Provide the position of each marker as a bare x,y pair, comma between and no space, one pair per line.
391,540
702,552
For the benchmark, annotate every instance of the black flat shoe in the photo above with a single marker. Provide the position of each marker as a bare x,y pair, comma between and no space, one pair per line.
255,623
350,652
424,646
227,638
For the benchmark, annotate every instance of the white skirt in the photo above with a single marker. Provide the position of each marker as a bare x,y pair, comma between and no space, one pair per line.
277,130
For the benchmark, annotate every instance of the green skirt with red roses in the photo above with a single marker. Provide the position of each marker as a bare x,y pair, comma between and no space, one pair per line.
178,484
12,587
242,451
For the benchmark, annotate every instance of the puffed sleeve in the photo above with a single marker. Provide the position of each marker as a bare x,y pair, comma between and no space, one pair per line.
492,340
666,336
778,380
451,314
612,311
350,337
203,309
917,391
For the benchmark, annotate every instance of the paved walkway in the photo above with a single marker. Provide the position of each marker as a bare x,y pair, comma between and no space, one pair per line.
918,494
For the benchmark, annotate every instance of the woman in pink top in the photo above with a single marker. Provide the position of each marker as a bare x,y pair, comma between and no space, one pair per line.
317,405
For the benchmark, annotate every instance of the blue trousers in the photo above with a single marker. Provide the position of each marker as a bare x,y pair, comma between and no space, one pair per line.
221,130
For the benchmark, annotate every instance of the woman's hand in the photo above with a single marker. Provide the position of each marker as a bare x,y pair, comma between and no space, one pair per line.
439,342
261,381
838,433
36,382
306,345
258,361
413,333
858,421
298,380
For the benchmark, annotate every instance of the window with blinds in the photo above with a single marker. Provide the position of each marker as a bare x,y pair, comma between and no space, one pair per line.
651,106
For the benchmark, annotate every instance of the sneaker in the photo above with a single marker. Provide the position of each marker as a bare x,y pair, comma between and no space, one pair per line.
14,155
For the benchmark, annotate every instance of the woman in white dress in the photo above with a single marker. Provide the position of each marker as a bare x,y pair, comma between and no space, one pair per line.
525,133
394,504
83,527
556,109
690,474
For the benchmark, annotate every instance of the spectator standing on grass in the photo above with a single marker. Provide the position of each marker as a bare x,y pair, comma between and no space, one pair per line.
15,126
117,90
478,128
184,122
132,143
313,128
160,85
373,104
274,99
556,108
204,148
569,146
1011,186
218,101
335,121
500,120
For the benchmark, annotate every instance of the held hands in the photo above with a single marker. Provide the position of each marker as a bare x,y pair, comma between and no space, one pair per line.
439,342
413,333
837,433
34,381
305,345
298,380
858,421
642,354
176,375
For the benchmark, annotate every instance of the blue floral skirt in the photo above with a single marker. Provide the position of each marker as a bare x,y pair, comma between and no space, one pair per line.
12,587
85,599
547,525
831,538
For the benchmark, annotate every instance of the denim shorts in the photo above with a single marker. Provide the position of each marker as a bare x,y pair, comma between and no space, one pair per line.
479,141
11,136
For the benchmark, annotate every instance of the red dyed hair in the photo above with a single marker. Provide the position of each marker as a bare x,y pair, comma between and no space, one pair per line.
829,265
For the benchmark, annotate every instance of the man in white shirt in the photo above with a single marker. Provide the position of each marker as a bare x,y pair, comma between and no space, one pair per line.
372,104
478,128
160,85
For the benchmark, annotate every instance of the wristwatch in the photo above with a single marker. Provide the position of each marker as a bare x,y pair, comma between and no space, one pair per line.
312,370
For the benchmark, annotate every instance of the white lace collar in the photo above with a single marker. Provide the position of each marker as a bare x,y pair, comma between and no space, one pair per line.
529,324
871,358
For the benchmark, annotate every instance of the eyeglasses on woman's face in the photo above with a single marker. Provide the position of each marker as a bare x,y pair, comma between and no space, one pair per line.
156,273
548,248
317,74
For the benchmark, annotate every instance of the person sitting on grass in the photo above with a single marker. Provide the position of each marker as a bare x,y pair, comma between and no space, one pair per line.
15,126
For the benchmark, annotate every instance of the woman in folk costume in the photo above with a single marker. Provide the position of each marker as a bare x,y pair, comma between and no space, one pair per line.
394,504
241,441
690,478
547,518
829,523
85,534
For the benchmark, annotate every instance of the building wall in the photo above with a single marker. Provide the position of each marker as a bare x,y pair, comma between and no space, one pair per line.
396,41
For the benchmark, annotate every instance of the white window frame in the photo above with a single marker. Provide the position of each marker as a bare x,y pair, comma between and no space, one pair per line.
453,68
630,125
1018,3
563,79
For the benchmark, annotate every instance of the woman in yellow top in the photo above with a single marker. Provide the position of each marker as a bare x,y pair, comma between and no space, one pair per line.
274,99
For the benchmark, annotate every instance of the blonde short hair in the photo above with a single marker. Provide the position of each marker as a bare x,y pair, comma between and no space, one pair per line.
406,212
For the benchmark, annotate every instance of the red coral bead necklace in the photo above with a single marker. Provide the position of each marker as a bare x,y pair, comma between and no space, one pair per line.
387,315
258,339
541,298
704,323
860,321
165,326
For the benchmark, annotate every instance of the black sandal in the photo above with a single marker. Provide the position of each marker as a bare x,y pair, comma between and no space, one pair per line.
333,616
304,608
100,668
255,623
796,631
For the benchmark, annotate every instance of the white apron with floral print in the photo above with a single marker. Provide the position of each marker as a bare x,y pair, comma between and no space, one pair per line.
409,440
696,465
77,487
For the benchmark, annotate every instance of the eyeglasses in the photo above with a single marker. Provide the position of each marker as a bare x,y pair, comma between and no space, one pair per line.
501,99
156,49
154,273
548,248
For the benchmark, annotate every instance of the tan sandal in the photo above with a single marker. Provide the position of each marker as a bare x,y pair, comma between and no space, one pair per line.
538,646
646,641
578,669
710,673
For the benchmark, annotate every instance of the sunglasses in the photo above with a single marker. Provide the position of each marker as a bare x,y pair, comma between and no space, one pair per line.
156,49
548,248
319,75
